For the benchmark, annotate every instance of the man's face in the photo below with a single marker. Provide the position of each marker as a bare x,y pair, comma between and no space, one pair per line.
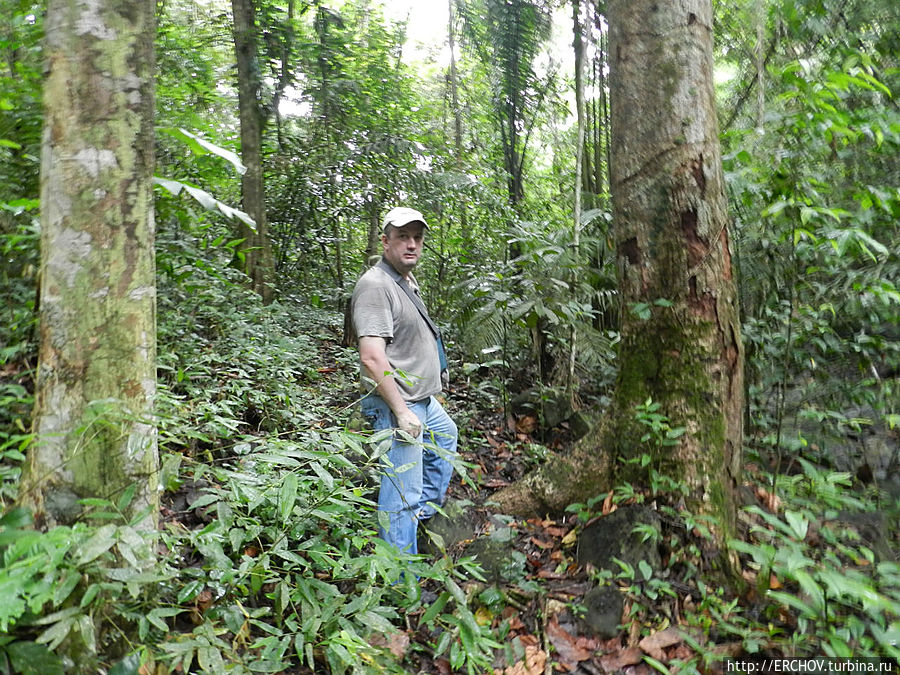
403,246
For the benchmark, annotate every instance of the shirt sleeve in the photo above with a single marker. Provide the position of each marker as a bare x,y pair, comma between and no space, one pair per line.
372,315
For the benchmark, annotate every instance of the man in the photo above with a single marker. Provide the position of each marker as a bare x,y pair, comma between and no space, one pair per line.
400,353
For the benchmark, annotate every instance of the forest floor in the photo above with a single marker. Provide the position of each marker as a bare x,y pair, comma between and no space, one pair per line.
688,617
536,588
544,594
538,580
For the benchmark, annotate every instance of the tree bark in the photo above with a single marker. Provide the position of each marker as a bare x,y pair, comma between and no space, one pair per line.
578,44
94,424
454,90
680,334
258,261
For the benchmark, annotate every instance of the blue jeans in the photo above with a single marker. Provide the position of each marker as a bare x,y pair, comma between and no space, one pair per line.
414,475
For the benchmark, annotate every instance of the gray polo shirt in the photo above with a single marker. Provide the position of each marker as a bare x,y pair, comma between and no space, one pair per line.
380,308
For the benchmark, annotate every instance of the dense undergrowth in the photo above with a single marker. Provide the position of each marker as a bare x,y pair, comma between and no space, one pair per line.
267,559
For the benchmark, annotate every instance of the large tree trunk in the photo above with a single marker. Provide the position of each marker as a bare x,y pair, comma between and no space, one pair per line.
95,431
578,43
681,344
258,261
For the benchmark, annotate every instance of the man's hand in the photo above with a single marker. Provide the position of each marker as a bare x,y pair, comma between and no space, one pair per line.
374,359
407,422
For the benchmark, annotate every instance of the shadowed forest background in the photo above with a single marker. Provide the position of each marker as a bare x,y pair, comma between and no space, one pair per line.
664,262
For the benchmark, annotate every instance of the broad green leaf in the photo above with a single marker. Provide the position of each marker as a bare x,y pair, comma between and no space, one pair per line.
127,496
288,496
88,633
16,518
210,660
97,545
645,569
204,199
30,658
798,522
56,633
130,665
792,601
436,607
200,146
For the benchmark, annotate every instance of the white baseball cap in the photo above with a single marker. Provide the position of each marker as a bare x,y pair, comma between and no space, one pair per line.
400,216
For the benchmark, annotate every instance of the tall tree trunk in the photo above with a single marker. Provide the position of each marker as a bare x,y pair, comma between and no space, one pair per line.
596,157
258,261
96,384
681,344
454,90
373,230
460,204
578,43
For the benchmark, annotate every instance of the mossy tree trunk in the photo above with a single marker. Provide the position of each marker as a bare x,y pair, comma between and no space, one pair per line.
681,344
96,384
258,260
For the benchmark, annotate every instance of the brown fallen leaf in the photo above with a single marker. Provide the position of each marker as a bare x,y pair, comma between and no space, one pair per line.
608,506
397,643
202,602
655,643
630,656
529,640
534,663
515,623
526,424
770,500
567,646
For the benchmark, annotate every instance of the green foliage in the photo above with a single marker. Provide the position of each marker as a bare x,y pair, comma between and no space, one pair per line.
268,560
817,201
64,583
841,592
507,37
20,100
547,291
19,253
824,581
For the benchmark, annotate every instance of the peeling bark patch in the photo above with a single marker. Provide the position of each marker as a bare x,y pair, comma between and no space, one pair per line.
701,304
142,292
630,249
726,254
699,176
67,250
94,161
696,247
91,23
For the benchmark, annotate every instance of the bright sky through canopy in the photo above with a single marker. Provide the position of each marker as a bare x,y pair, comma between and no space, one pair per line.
426,28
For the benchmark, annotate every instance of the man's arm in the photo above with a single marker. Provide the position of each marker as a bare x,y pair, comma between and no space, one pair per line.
374,359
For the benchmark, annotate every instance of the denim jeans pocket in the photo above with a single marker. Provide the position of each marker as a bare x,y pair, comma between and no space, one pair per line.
377,413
